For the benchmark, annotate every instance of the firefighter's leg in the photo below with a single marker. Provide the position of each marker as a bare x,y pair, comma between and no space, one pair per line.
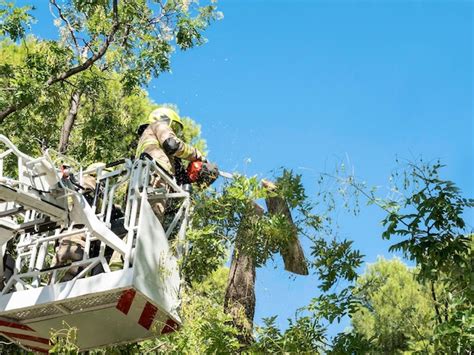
70,249
159,206
76,252
116,262
159,210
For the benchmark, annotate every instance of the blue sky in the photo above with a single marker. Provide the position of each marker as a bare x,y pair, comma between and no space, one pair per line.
307,84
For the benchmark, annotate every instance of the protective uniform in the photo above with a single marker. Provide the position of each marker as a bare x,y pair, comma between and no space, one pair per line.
159,140
161,143
70,249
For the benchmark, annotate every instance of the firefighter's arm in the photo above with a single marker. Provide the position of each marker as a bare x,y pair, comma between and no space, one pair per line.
174,146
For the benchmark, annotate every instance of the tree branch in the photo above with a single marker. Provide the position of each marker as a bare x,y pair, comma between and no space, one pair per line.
68,24
69,121
74,70
433,295
12,108
127,33
351,181
89,62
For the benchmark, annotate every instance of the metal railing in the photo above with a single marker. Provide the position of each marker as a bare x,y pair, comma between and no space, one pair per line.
114,205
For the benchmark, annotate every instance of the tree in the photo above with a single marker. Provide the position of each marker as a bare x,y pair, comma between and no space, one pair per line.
132,39
393,309
106,123
426,213
429,217
230,217
226,218
83,93
396,311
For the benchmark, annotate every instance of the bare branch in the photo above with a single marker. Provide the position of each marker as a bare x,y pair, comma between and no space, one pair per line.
68,24
98,55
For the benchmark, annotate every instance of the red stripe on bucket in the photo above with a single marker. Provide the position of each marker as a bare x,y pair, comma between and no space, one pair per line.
125,301
27,337
147,316
169,327
15,325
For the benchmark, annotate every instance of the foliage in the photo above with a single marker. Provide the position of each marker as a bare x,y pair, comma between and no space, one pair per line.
430,218
64,340
218,215
395,312
455,311
335,260
14,20
349,342
132,39
304,334
206,328
427,213
22,68
393,309
107,121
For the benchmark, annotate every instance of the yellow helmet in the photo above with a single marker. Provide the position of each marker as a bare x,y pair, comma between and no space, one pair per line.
167,115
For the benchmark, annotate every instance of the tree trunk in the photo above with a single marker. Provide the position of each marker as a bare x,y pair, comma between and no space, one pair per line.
435,302
239,300
292,253
69,121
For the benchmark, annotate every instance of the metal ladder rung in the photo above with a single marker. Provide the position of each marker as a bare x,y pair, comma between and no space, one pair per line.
12,211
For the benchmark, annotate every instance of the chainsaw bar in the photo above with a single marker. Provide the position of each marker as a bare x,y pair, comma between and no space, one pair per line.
226,175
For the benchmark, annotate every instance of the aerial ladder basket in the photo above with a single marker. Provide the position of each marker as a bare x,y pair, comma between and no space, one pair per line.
137,299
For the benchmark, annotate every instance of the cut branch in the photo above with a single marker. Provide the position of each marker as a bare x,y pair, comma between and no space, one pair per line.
292,253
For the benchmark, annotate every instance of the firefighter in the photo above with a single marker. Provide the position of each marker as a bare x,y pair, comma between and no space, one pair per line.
159,140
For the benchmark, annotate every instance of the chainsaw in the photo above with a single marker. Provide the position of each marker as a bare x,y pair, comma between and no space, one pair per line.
205,173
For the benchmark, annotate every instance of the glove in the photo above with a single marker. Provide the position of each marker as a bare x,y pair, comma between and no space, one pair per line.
200,156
